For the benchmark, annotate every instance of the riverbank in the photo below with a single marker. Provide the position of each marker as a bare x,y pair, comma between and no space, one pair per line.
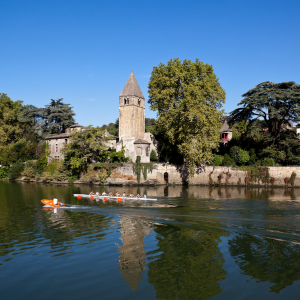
165,174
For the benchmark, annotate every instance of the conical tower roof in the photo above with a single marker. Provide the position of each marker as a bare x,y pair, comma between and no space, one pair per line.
132,87
225,127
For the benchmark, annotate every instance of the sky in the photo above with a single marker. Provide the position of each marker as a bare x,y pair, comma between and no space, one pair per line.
84,50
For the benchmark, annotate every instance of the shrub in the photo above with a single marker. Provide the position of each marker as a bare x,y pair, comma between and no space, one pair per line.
234,151
138,159
92,175
217,160
4,172
268,162
41,164
253,157
47,177
228,161
28,172
61,172
16,170
243,157
153,156
71,179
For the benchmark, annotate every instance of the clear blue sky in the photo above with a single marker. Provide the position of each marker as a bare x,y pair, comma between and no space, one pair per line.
83,51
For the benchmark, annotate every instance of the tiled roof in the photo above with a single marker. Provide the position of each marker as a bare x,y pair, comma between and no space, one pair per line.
141,141
132,87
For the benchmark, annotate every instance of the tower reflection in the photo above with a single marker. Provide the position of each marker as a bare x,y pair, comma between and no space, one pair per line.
132,259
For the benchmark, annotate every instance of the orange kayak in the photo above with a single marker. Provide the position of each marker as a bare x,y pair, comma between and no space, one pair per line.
51,203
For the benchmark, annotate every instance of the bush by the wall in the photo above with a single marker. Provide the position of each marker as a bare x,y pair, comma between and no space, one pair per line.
228,161
268,162
153,156
217,160
234,152
243,157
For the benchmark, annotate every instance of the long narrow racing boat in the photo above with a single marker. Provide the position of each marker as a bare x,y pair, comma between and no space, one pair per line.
107,197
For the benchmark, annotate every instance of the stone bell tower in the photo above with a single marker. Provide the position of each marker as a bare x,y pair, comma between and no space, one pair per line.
131,111
132,135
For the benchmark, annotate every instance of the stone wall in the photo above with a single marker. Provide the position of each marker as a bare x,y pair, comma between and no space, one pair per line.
176,176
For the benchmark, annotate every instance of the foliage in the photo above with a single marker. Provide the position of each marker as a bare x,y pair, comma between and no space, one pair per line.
61,173
153,156
277,104
243,157
228,161
85,147
253,157
139,167
47,177
71,179
217,160
115,174
150,125
15,170
92,175
118,157
234,152
256,174
4,172
268,162
10,128
273,152
112,128
138,159
28,172
54,118
187,97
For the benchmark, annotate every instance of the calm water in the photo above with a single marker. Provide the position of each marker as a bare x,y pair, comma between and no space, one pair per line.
194,243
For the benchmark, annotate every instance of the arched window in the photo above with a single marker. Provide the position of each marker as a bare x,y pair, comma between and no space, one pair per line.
139,102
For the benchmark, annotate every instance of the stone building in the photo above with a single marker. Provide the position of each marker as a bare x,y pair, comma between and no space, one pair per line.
132,133
58,142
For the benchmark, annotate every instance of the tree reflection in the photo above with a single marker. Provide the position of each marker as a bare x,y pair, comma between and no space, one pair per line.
267,260
187,263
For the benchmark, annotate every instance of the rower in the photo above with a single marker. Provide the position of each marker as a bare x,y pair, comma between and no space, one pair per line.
97,193
131,195
138,196
117,194
103,194
91,193
145,196
124,195
110,194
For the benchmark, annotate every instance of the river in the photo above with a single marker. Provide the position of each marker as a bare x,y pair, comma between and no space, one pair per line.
193,243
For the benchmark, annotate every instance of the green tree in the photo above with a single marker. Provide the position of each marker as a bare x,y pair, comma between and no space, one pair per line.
277,104
58,116
153,156
86,146
187,97
10,129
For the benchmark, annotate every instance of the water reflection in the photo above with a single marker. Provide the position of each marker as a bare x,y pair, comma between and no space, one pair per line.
188,263
132,258
267,259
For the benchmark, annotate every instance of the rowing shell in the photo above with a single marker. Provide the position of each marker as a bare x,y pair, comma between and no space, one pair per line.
107,197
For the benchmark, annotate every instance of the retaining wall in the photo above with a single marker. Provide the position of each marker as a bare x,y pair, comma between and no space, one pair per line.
176,176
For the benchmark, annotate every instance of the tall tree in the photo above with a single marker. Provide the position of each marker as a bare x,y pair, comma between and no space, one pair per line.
59,116
10,129
188,97
277,104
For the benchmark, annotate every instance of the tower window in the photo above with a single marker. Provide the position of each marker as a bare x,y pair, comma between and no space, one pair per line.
126,101
139,102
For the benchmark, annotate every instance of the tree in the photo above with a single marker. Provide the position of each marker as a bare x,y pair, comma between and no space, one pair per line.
86,146
277,104
153,156
187,97
59,116
10,129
